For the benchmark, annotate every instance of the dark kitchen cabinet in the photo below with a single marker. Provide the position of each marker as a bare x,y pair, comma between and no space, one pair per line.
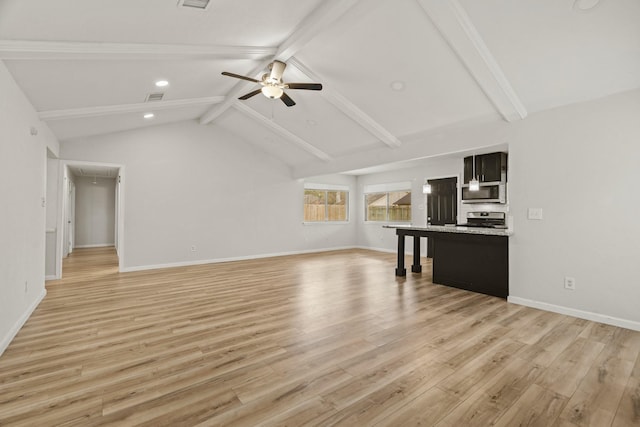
468,169
489,167
442,205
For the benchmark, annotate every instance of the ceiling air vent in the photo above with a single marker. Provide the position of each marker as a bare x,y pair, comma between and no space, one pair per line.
155,96
196,4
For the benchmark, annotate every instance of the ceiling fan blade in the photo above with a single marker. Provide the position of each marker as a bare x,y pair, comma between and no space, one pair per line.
307,86
287,100
238,76
250,94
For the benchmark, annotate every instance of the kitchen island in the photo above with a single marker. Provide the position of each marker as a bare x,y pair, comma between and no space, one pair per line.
475,259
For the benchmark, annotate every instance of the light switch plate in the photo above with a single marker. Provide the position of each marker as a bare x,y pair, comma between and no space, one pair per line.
534,213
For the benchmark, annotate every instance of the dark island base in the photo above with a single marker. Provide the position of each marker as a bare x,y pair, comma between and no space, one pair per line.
474,262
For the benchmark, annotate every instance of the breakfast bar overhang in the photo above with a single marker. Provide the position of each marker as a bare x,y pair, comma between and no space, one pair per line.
463,257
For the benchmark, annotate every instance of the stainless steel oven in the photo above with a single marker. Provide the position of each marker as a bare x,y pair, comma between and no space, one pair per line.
489,192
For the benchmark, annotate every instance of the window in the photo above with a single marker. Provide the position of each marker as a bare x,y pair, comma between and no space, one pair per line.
390,202
325,205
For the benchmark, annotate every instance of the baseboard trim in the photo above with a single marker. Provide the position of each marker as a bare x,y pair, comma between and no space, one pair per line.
596,317
385,250
97,245
231,259
51,277
20,323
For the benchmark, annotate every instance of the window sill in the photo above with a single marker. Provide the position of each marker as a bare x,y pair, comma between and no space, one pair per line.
387,222
325,222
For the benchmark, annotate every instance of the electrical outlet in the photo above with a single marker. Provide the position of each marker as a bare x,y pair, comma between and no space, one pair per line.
193,248
570,283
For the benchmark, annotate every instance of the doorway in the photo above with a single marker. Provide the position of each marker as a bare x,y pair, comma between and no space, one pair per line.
442,205
92,208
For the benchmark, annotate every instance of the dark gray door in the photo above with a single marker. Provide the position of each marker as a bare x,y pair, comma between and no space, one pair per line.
442,204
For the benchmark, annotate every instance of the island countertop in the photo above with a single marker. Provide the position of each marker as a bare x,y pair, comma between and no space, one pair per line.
454,229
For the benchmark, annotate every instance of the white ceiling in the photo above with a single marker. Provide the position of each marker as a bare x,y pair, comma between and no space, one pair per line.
88,65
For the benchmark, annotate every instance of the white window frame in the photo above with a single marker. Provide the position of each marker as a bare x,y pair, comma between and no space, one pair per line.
326,188
386,188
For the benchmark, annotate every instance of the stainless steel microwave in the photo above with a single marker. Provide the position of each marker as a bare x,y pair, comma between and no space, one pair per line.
489,192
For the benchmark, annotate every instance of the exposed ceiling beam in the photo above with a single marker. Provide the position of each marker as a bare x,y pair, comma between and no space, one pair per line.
76,113
238,90
28,49
281,131
321,17
328,12
348,108
456,27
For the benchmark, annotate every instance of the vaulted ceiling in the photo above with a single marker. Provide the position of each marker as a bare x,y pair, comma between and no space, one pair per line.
391,70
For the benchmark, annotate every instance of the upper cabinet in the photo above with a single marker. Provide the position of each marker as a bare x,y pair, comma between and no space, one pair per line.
489,167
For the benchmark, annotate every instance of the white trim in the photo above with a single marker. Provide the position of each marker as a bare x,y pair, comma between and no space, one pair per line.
97,245
387,187
51,277
326,13
321,18
581,314
385,250
325,222
456,28
6,340
105,110
309,148
330,187
231,259
349,108
58,50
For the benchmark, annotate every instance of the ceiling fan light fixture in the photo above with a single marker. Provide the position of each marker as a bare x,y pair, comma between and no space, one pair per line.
273,92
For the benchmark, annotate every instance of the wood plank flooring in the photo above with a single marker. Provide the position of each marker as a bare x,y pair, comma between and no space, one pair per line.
320,339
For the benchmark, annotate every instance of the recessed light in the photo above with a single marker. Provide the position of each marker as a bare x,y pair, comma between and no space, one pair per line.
584,5
397,85
149,116
162,83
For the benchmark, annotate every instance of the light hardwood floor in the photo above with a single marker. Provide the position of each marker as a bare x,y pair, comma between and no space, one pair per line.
322,339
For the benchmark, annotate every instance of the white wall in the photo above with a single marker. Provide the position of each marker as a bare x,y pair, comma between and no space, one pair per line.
372,234
580,164
95,212
192,185
182,178
22,214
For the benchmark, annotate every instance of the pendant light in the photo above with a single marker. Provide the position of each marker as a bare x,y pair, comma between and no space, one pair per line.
426,188
474,184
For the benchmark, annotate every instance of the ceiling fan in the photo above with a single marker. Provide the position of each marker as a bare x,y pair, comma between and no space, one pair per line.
272,85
